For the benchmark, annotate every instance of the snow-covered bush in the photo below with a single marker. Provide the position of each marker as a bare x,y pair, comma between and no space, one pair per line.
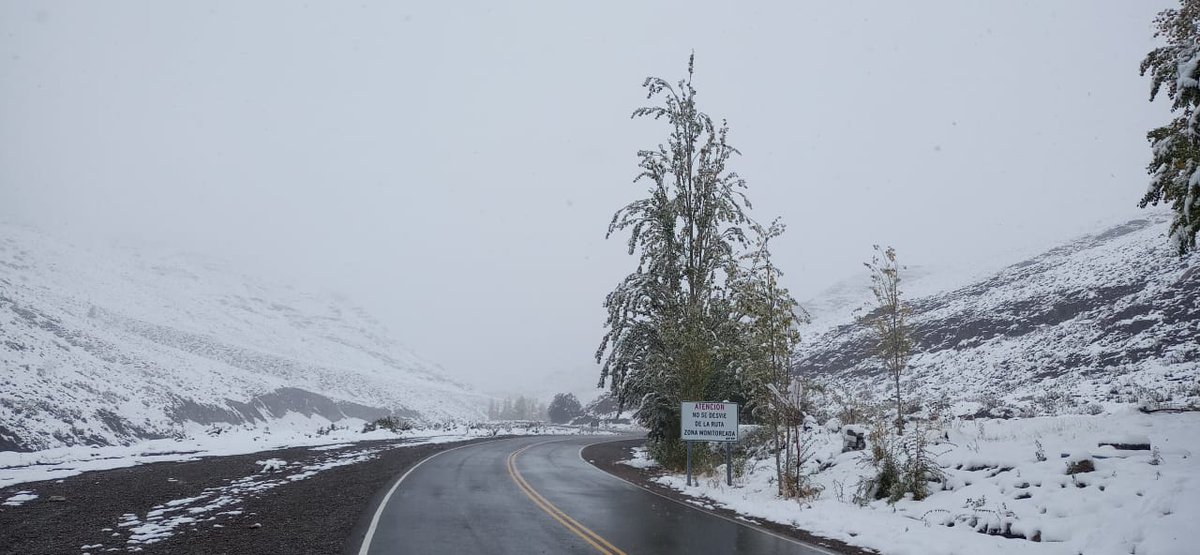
903,465
391,423
326,430
1080,465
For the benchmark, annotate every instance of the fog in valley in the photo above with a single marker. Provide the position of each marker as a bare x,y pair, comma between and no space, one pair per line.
452,168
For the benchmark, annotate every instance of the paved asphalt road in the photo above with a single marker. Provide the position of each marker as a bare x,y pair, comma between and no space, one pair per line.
536,495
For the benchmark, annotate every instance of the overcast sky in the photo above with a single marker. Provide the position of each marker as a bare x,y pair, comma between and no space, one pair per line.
453,166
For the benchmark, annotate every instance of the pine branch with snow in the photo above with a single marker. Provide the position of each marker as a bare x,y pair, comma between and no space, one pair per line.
1175,167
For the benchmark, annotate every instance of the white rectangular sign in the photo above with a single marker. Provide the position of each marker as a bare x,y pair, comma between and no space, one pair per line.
709,421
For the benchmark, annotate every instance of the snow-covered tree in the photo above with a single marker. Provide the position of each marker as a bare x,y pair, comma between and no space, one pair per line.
563,408
889,320
1175,167
669,322
769,317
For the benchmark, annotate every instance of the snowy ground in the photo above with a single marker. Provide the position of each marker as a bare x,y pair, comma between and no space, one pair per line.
293,431
108,344
163,520
1136,501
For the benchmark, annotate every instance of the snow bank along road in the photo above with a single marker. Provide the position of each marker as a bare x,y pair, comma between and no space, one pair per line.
538,495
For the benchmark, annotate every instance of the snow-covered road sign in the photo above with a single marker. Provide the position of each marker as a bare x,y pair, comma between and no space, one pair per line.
709,421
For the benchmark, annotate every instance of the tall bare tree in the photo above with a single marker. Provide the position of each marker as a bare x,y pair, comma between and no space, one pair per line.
889,321
770,318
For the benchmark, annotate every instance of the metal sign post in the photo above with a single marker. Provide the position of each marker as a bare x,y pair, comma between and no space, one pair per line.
689,463
728,465
709,421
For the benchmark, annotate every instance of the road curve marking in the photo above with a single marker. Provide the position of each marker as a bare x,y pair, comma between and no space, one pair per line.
366,543
592,538
749,525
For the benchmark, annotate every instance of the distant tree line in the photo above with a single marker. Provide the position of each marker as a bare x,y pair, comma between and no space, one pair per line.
519,408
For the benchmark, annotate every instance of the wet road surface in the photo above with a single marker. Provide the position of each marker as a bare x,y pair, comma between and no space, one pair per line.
536,495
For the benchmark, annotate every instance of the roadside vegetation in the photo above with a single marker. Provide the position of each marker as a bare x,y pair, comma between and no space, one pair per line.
564,408
703,315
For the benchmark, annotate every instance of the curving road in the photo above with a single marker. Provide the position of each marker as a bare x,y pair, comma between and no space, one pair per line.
536,495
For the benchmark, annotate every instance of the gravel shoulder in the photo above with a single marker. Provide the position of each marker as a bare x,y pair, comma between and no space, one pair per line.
607,456
268,513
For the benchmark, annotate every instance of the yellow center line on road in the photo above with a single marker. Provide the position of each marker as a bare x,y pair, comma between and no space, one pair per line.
569,523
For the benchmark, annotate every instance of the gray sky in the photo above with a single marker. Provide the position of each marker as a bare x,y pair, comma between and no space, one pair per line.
453,166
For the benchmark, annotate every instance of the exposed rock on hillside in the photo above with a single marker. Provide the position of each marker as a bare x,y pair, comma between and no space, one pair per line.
1108,318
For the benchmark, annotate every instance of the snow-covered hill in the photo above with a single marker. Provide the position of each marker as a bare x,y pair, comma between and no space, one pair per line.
841,301
1108,318
108,345
1005,489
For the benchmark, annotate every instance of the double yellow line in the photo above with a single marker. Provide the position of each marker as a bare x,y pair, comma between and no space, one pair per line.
569,523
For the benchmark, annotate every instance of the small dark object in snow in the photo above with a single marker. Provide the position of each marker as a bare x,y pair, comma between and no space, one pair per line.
255,525
1081,466
1127,446
57,498
854,438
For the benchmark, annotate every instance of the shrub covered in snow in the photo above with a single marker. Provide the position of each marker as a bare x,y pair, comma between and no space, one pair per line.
1003,489
390,423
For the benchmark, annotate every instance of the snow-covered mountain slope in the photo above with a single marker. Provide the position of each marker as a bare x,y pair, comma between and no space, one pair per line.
106,345
1108,318
841,301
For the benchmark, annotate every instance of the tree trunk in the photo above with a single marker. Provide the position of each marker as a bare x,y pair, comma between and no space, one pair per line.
778,466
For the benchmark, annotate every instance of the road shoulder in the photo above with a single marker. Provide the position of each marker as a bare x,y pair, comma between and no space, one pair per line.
311,505
606,456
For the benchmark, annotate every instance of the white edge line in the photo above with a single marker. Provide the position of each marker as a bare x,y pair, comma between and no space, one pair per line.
701,509
366,543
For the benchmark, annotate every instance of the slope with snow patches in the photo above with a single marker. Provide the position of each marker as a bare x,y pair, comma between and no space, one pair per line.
1102,326
1107,319
109,345
1006,489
